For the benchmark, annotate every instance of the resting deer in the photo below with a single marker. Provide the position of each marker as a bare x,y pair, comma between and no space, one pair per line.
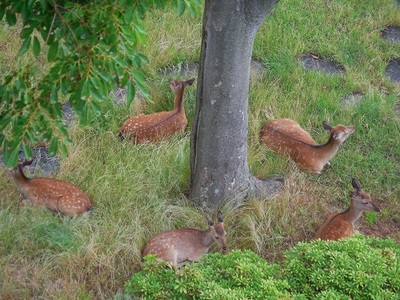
58,196
341,225
285,136
187,244
154,127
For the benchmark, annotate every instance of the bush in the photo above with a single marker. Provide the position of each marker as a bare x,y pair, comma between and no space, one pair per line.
237,275
354,268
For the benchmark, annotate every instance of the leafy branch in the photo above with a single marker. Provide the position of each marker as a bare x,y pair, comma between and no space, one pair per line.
91,47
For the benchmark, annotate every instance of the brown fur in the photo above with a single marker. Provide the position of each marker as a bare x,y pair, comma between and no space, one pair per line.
58,196
154,127
285,136
341,225
186,244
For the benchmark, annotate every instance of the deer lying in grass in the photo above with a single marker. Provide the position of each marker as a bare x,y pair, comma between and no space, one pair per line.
285,136
58,196
341,225
187,244
154,127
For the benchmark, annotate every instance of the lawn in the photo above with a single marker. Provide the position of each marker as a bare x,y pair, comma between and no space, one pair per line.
140,190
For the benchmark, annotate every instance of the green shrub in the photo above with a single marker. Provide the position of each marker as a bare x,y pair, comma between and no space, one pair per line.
354,268
237,275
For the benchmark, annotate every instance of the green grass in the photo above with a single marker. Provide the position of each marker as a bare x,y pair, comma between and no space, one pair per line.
138,191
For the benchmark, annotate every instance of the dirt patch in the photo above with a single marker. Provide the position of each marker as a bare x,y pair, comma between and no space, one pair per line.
391,34
43,161
256,68
352,99
68,114
393,70
314,62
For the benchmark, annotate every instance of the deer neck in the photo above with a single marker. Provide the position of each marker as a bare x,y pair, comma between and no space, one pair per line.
208,239
352,214
178,104
329,149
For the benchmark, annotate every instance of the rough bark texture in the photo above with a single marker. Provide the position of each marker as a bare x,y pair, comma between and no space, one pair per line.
219,169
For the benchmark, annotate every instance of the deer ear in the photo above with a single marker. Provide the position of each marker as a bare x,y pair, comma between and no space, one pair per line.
189,82
326,126
220,217
356,184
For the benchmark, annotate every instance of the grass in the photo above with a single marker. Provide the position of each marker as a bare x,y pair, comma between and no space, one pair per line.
138,191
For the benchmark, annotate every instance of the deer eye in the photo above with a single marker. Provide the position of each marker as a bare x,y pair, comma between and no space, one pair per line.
217,237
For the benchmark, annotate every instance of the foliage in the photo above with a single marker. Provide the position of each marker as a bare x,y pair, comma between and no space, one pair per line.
90,46
138,190
354,268
237,275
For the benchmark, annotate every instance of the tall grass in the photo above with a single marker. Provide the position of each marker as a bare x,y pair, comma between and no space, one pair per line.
139,190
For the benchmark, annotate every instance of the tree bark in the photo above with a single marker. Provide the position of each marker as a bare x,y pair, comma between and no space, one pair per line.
219,169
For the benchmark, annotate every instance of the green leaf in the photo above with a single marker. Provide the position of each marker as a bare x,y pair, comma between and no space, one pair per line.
36,46
54,94
53,146
26,32
181,7
128,14
25,46
11,18
130,93
2,11
52,52
64,149
43,5
11,157
28,151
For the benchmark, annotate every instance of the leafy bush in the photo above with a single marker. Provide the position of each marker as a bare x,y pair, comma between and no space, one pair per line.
354,268
237,275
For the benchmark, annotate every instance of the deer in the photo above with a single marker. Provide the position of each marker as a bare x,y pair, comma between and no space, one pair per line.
341,225
157,126
60,197
184,245
285,136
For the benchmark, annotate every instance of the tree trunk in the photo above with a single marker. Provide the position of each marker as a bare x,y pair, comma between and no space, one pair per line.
219,169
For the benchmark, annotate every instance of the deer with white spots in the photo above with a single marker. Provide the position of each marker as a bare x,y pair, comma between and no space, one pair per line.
285,136
155,127
184,245
58,196
341,225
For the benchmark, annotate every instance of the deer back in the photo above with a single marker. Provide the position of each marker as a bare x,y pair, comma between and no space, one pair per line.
153,127
157,126
285,136
56,195
186,244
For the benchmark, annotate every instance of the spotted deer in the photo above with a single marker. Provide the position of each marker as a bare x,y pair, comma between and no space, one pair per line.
341,225
285,136
184,245
154,127
58,196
